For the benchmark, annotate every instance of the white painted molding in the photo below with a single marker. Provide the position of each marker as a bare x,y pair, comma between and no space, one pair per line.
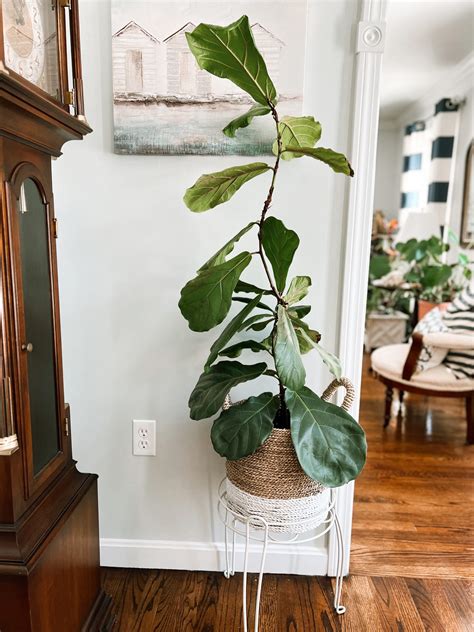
209,556
370,37
357,239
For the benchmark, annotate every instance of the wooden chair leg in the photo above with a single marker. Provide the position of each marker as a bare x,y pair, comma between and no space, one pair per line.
401,395
470,419
388,405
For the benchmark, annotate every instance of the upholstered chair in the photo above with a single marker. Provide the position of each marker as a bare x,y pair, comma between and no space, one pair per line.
395,366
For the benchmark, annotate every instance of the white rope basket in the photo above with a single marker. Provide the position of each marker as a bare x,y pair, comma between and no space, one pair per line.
271,484
289,515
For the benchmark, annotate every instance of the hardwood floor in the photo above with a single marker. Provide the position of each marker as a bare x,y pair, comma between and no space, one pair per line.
414,502
411,562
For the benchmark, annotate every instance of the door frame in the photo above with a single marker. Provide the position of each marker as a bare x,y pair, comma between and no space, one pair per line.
370,40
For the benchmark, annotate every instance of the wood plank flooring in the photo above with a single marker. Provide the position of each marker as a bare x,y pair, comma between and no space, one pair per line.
411,565
414,502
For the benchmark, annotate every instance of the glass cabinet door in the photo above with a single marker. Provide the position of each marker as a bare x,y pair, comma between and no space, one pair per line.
37,341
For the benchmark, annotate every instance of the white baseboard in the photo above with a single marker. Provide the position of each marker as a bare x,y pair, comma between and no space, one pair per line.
209,556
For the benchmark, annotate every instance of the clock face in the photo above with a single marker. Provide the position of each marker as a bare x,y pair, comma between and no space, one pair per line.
29,30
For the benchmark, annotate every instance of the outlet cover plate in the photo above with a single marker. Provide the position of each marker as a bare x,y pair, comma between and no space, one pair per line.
144,437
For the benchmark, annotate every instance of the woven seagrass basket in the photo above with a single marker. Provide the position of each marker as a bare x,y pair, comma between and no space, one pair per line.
272,484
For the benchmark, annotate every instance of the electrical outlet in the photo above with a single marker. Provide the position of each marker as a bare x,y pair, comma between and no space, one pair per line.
144,437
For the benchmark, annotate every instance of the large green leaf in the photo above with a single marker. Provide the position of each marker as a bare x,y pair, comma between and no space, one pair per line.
298,289
288,360
249,288
330,360
280,245
242,428
435,275
379,266
206,299
231,329
215,383
299,310
230,52
235,350
305,346
227,248
261,325
244,299
212,189
337,162
245,119
329,443
253,319
297,131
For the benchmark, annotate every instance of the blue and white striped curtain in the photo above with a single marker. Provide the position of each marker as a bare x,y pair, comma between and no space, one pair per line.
443,133
413,177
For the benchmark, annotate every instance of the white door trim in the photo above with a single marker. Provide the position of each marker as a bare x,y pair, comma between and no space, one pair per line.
369,49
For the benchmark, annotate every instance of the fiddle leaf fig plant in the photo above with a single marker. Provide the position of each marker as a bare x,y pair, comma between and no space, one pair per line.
329,443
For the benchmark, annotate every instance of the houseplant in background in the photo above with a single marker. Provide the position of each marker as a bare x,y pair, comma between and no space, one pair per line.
291,443
435,282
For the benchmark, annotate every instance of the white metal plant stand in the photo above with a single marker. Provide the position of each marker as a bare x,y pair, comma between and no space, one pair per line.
254,527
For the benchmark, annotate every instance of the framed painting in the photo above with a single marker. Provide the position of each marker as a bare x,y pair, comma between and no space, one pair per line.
165,104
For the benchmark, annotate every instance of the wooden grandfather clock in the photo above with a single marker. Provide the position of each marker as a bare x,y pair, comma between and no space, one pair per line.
49,540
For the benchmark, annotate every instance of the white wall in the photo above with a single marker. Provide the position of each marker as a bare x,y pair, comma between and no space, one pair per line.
388,171
127,245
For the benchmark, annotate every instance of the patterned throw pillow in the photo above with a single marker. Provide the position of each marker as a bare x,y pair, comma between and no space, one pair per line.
432,323
459,317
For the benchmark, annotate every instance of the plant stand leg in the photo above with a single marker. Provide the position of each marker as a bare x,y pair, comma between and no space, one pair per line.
388,405
261,571
229,552
260,574
340,609
232,567
470,419
244,578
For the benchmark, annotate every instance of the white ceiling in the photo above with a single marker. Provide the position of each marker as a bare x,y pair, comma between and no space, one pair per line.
425,40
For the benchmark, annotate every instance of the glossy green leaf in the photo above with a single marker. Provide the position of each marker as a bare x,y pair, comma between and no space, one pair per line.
288,360
253,319
337,162
329,443
280,245
214,384
212,189
298,289
245,119
330,360
297,131
305,346
261,325
299,310
436,275
220,256
243,299
235,350
230,52
268,343
242,428
247,288
231,329
206,299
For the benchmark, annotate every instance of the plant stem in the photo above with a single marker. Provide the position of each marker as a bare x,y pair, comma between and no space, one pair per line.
266,206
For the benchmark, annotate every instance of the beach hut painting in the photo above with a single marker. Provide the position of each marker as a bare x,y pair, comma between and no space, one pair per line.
165,104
